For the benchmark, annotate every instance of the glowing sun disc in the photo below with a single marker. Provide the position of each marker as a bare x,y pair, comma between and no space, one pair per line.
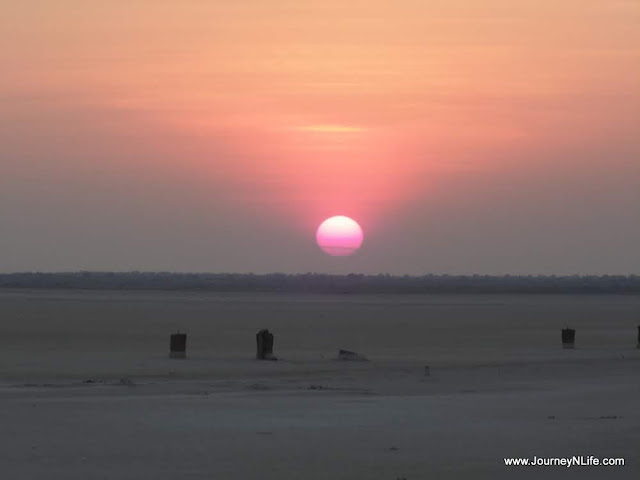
339,236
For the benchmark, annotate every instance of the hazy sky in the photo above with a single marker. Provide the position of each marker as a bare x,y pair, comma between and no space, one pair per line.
478,136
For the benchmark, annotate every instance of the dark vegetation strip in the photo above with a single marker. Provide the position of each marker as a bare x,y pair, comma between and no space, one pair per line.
325,283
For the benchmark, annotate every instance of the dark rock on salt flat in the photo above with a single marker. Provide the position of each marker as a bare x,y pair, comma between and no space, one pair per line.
568,337
178,345
351,356
318,387
264,345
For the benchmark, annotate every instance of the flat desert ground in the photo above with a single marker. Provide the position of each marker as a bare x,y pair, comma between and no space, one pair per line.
87,390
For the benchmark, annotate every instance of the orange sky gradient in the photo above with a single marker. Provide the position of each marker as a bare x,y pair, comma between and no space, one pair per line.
485,136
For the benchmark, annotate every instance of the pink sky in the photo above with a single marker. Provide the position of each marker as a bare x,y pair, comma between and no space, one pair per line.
485,136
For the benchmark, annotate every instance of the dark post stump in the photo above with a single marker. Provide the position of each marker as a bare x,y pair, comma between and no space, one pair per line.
568,338
178,345
638,345
264,341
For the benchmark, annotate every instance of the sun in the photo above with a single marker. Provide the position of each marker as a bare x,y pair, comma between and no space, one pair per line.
339,236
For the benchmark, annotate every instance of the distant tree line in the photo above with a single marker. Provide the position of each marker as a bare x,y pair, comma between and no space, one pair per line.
324,283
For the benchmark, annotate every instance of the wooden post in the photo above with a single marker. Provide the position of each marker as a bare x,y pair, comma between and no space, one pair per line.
638,345
264,345
178,345
568,338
